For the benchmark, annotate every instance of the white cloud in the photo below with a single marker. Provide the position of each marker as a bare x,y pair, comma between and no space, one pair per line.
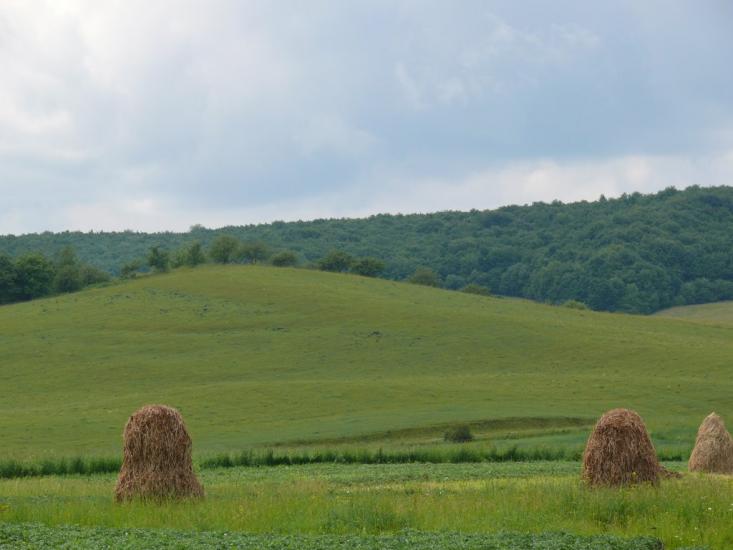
159,115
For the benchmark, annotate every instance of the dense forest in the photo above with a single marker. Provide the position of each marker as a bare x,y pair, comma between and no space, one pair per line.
637,253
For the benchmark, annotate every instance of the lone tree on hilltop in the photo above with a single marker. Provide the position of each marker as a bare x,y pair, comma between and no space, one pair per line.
254,252
223,249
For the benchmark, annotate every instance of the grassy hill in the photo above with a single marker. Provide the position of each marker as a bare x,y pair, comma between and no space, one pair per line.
637,253
716,312
257,355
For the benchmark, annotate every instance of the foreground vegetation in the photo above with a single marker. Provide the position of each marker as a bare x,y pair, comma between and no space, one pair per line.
638,253
92,538
396,500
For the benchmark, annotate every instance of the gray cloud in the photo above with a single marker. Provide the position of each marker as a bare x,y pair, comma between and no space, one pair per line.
158,116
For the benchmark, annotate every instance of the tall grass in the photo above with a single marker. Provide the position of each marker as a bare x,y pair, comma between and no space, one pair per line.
321,499
453,454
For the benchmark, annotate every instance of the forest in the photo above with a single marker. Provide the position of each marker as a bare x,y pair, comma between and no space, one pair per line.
636,253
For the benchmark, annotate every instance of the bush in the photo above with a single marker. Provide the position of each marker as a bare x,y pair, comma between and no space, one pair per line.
337,261
575,304
368,267
424,276
286,258
223,249
473,288
458,434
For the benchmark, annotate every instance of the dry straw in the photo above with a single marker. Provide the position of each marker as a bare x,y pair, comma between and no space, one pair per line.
156,462
713,452
619,452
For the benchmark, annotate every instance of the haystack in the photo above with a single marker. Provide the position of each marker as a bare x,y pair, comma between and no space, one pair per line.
619,452
156,462
713,452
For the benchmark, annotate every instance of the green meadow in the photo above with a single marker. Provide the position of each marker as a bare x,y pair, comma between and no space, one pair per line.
317,403
716,312
258,356
427,502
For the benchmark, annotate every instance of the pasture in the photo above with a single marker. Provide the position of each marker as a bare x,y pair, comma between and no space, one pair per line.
256,356
317,405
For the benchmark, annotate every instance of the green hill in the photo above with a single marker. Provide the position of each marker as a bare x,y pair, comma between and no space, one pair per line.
255,355
638,253
717,312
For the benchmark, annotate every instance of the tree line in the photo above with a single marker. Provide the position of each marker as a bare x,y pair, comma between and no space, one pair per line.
34,275
636,253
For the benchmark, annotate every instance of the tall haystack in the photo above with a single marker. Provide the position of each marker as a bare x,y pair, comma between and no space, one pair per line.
713,452
619,452
156,462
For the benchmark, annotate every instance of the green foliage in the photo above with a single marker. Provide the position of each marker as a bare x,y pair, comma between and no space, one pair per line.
424,276
337,261
461,433
638,253
253,252
190,255
473,288
223,249
368,267
130,269
286,258
575,304
67,279
8,281
159,260
33,276
358,520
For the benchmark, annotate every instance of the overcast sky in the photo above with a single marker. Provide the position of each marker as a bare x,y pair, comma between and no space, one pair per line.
160,115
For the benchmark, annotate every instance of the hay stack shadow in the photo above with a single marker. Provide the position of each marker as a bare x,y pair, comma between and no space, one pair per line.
619,452
156,460
713,451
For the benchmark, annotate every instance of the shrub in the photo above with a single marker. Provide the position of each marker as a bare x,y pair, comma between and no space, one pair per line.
368,267
575,304
473,288
458,434
223,249
337,261
424,276
286,258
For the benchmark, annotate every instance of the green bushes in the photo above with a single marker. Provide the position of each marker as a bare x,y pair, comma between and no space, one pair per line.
458,434
58,467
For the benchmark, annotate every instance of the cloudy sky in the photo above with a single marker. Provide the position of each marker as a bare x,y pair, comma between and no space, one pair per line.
159,115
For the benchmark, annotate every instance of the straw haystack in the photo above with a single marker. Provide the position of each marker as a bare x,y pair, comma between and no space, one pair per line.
619,452
156,462
713,452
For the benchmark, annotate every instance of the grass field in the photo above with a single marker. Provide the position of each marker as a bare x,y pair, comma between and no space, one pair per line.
717,312
426,500
257,356
319,372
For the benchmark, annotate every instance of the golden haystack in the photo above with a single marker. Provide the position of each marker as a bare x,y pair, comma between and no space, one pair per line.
713,452
156,462
619,451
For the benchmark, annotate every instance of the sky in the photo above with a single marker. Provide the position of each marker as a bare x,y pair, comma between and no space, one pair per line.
160,115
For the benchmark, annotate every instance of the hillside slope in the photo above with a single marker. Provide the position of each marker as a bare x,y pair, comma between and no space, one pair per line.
716,312
255,354
638,253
